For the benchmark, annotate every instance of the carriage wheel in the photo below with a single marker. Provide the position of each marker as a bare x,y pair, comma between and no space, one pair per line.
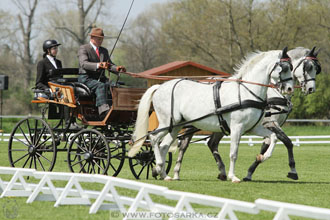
89,152
32,145
142,163
117,156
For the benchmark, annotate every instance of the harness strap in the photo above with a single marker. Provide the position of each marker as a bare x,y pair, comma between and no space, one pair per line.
216,97
274,102
222,110
277,101
252,93
170,128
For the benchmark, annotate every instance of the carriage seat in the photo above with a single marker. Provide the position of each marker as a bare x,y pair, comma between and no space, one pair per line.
81,90
42,93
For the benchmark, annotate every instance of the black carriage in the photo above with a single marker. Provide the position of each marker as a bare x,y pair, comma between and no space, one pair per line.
100,146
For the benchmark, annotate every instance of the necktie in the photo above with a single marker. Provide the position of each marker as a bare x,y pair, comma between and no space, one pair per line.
97,52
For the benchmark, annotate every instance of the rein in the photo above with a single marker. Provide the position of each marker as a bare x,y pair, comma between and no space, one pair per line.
261,104
211,78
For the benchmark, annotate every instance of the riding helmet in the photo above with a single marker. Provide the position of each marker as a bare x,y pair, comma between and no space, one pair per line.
49,44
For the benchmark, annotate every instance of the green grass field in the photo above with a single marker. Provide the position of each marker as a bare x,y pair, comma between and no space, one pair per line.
199,174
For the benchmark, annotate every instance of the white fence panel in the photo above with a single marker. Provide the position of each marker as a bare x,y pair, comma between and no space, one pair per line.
110,199
283,210
252,139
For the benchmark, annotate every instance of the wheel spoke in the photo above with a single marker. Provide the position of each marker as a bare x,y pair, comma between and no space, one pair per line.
21,141
29,128
93,169
40,155
113,149
76,153
101,158
40,135
148,168
112,167
80,147
98,165
20,158
104,166
77,162
35,131
44,141
31,162
90,140
24,135
117,156
137,163
17,150
41,164
88,167
100,150
141,171
95,144
82,167
35,162
26,161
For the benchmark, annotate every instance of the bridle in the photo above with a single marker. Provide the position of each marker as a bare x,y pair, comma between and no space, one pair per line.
283,64
304,61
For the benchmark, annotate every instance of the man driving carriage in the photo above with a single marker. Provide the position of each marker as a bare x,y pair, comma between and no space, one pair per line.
93,61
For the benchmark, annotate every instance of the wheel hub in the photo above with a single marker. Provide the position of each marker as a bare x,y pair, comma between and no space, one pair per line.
145,156
32,150
88,156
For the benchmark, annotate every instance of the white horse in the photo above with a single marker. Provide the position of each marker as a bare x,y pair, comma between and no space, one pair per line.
183,100
305,68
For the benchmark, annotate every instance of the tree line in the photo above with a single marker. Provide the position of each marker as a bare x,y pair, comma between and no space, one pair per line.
215,33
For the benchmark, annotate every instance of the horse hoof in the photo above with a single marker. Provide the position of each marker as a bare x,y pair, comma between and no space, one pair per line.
167,178
154,173
247,179
222,177
293,176
235,180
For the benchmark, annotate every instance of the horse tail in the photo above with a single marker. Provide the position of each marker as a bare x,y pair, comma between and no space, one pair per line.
142,121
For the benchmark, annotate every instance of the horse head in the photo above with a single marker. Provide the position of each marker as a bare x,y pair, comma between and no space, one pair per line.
306,70
282,72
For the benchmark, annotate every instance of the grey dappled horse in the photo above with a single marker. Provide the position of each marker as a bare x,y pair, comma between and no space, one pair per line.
178,101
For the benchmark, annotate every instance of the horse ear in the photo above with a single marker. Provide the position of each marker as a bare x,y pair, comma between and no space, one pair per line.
285,53
317,52
311,53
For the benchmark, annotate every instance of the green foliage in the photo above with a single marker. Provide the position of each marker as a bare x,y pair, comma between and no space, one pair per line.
315,105
215,33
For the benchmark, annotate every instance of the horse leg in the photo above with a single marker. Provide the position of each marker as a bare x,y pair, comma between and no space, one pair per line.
269,151
269,136
288,144
213,144
182,149
252,168
155,141
162,151
235,138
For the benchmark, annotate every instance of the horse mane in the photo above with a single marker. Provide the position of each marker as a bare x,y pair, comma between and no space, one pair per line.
298,52
247,62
